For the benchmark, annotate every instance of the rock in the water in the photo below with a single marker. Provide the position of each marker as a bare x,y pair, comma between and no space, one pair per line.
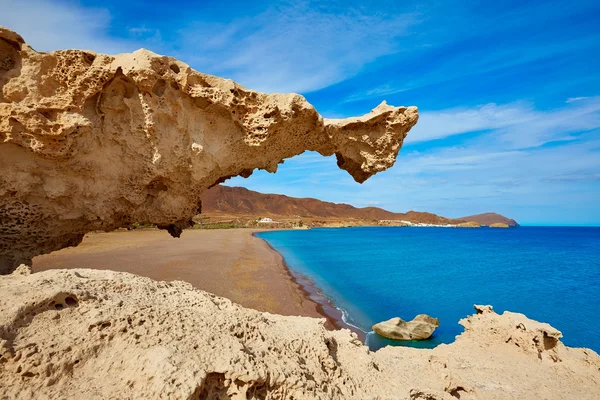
420,328
469,224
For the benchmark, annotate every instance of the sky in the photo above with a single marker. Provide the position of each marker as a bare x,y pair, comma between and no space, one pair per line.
508,91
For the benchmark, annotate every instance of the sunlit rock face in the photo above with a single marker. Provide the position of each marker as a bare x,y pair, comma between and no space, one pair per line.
94,334
96,142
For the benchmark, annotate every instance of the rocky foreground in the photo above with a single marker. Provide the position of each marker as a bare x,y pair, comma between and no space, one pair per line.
88,334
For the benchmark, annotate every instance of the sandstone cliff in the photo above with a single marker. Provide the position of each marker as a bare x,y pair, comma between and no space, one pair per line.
88,334
97,142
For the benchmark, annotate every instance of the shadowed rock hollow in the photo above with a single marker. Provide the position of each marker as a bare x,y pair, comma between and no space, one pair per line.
96,142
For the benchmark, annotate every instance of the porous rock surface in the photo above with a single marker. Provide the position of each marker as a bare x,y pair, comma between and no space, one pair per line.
96,142
91,334
420,328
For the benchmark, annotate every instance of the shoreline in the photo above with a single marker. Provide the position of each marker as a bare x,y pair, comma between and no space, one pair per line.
324,305
235,264
228,263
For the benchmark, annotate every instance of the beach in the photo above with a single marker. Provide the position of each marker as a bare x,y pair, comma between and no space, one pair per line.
231,263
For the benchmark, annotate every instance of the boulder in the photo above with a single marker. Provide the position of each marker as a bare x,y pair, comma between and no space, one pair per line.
469,224
420,328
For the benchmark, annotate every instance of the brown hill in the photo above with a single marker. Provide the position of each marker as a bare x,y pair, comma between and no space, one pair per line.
490,218
241,201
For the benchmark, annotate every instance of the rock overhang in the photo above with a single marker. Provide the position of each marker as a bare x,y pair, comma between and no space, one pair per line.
91,142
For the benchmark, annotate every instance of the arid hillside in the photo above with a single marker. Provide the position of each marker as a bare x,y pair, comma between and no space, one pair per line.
241,201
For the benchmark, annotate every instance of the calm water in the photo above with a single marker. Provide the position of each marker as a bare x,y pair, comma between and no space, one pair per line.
551,274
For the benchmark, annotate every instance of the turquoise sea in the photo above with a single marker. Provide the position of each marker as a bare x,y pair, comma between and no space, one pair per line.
551,274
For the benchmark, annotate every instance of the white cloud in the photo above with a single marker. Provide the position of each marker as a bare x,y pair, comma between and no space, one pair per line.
440,124
141,31
553,125
569,159
573,99
576,176
49,25
294,47
516,125
454,159
379,91
298,47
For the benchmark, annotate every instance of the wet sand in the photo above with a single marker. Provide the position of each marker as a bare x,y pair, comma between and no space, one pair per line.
231,263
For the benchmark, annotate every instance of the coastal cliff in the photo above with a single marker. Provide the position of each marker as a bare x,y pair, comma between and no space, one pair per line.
104,335
96,142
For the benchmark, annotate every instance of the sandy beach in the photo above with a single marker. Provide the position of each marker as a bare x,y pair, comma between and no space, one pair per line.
231,263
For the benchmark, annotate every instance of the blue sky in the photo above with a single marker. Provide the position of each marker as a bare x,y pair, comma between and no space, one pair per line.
509,93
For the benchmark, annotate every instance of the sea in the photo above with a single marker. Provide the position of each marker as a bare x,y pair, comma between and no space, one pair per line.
371,274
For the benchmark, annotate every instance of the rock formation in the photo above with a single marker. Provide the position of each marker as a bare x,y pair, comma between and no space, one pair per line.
90,334
499,225
469,224
96,142
420,328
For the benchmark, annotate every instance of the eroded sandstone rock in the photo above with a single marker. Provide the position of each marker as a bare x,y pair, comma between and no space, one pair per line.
420,328
96,142
92,334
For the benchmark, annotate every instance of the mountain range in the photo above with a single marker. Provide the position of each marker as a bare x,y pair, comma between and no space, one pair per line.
227,200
